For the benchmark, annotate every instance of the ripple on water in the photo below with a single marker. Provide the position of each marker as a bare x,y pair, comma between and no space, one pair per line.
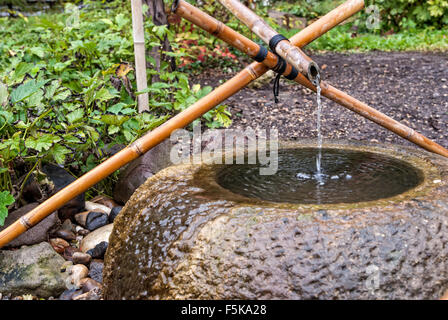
347,176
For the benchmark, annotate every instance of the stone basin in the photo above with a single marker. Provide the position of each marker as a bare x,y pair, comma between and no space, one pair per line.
186,234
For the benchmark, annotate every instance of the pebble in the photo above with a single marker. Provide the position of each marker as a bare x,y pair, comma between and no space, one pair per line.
96,220
59,244
69,252
68,225
114,213
95,237
88,284
99,250
81,231
92,220
92,206
106,201
94,294
77,273
81,218
81,258
70,294
65,234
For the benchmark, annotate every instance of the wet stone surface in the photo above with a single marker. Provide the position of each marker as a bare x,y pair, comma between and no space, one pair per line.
182,236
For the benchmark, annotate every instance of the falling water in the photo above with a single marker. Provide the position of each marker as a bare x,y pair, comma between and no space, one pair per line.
319,175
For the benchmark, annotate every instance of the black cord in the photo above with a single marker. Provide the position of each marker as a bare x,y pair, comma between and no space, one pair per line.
281,64
261,55
279,68
276,87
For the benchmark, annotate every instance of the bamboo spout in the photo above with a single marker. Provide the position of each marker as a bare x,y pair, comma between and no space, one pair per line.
156,136
292,54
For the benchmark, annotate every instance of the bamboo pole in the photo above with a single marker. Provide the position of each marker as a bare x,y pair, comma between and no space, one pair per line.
292,54
139,52
159,134
225,33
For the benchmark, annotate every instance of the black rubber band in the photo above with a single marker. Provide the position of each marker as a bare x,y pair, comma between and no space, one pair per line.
261,55
275,40
293,74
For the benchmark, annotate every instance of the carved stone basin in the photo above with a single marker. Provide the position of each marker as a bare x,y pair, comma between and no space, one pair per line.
211,231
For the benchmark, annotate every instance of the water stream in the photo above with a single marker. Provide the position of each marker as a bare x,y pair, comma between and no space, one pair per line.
319,176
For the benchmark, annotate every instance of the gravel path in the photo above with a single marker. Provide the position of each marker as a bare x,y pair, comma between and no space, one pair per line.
411,87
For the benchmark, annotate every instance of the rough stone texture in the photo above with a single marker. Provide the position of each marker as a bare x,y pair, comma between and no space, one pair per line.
182,236
36,234
139,170
96,271
32,270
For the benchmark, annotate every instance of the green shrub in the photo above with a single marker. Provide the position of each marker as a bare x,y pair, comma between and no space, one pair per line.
405,14
66,90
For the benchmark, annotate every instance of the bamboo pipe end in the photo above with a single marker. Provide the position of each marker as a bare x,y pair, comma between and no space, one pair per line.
313,73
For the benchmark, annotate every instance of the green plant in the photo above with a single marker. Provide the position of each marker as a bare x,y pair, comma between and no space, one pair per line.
6,199
66,91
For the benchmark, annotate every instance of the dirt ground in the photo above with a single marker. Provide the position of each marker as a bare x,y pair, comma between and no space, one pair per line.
411,87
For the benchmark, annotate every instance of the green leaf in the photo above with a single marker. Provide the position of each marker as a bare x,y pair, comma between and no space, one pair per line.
44,142
38,51
116,108
51,89
107,21
113,129
62,95
26,90
68,138
103,95
59,153
21,70
6,199
113,120
75,116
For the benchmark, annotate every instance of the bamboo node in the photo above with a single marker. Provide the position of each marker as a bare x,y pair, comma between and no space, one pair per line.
25,222
219,28
135,146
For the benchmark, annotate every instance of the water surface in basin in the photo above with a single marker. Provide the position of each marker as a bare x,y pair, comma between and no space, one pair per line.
348,176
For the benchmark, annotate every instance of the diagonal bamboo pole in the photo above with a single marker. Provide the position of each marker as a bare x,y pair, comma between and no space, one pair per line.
181,120
225,33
